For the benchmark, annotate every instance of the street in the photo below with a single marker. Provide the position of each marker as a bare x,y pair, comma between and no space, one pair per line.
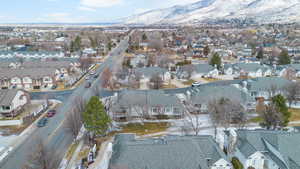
55,134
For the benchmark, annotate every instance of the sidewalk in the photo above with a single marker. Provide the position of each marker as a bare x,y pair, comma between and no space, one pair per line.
103,157
72,163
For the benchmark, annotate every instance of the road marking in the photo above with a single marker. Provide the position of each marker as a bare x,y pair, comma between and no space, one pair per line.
54,131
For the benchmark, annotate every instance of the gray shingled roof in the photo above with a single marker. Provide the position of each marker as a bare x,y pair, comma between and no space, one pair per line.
265,83
269,142
39,64
170,152
250,67
150,97
204,94
6,97
32,72
151,71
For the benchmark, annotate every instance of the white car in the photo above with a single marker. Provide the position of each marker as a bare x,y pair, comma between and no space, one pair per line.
196,84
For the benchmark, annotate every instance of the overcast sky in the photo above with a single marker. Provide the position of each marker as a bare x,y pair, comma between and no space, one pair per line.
77,11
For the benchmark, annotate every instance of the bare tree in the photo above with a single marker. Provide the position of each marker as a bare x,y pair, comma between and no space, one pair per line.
292,93
85,63
272,91
157,81
79,104
73,122
43,157
106,78
156,44
272,117
224,112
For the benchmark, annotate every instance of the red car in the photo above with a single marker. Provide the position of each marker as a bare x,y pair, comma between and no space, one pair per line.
51,113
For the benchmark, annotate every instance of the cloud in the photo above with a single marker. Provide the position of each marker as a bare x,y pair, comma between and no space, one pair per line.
84,8
61,17
99,3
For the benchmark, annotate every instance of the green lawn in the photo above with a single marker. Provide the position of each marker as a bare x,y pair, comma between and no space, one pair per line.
257,119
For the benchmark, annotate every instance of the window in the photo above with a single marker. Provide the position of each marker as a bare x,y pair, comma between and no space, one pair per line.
168,109
155,110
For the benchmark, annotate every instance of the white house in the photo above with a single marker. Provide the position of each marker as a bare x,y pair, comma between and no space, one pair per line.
12,101
148,72
132,104
195,71
264,148
252,70
261,87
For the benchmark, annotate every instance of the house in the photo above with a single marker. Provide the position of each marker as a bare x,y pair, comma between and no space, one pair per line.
34,78
201,96
195,71
31,54
265,148
169,152
264,86
295,68
131,104
12,102
252,70
227,69
148,72
139,61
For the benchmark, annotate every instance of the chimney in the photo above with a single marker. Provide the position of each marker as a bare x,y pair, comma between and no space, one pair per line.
208,161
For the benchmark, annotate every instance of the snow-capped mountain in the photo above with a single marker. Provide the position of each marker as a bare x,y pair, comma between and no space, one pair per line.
262,11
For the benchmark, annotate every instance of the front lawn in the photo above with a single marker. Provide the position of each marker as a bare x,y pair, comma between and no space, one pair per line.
146,128
189,82
295,114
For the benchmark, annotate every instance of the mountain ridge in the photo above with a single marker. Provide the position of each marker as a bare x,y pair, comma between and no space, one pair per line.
261,11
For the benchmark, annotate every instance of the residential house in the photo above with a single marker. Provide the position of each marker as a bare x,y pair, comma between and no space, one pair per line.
147,73
264,86
195,71
295,68
139,61
34,78
169,152
131,104
31,54
263,149
252,70
12,102
200,97
228,69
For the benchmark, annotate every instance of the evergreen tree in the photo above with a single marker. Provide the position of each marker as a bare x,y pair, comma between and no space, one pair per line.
144,37
284,58
216,60
260,54
95,118
276,113
280,102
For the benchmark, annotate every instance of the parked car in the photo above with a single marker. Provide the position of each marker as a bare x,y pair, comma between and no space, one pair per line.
51,113
54,87
87,78
96,76
196,84
88,85
42,122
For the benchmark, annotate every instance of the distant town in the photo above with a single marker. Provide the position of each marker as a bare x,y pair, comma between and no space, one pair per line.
203,96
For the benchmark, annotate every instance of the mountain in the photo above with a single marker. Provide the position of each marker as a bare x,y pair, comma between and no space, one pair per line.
262,11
